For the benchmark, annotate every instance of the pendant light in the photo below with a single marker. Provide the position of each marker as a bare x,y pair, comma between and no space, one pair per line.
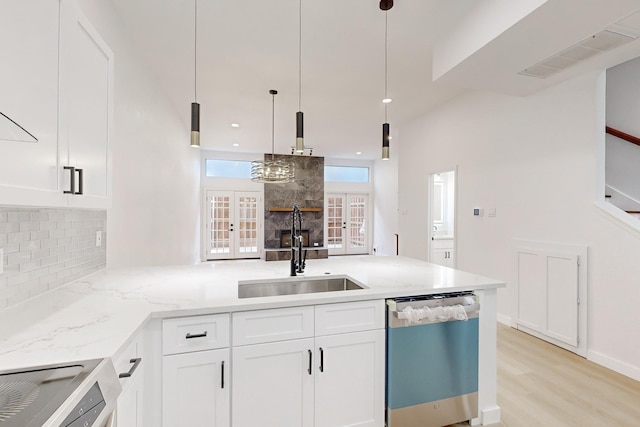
195,107
385,5
299,114
272,171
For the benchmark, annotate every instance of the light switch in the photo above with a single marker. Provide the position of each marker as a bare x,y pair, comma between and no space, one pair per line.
98,238
477,211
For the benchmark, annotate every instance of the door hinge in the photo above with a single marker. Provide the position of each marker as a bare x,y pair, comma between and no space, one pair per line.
578,340
578,301
578,260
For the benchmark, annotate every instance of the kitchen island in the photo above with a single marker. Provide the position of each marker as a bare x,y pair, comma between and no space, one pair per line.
99,315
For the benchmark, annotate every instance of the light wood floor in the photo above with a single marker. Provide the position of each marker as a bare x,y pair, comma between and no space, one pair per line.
540,384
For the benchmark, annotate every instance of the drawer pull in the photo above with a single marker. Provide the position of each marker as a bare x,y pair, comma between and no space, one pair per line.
321,360
309,370
135,362
202,335
222,381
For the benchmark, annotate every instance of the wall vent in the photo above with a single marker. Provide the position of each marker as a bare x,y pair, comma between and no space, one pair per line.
603,41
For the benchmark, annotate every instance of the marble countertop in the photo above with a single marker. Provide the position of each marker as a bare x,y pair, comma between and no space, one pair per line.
95,316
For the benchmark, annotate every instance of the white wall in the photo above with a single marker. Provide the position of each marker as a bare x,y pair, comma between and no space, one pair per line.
539,161
623,110
385,203
154,217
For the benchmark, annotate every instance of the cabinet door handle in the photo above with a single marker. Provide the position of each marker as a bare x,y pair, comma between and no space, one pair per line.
72,179
222,375
321,360
202,335
80,181
309,369
135,362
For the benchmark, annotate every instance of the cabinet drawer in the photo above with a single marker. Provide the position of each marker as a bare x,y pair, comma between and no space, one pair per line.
186,334
262,326
349,317
442,244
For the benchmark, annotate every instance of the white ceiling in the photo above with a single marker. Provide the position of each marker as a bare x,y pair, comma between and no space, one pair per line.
246,47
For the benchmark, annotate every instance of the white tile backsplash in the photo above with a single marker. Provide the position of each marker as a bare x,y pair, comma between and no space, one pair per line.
45,248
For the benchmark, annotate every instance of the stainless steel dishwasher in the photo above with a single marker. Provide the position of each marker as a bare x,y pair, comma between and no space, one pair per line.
432,360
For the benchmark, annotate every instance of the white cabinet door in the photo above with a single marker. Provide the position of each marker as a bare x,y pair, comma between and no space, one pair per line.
195,389
29,96
130,403
273,384
349,379
85,108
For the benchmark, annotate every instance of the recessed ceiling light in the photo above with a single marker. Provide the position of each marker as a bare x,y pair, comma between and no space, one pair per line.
358,152
387,100
235,125
235,144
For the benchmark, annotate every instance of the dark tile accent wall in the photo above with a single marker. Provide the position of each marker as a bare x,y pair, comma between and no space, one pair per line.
45,248
307,191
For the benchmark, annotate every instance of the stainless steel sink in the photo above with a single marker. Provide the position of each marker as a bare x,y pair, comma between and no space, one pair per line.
295,286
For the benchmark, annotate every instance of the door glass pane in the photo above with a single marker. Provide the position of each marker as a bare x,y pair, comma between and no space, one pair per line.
334,219
247,224
357,225
219,217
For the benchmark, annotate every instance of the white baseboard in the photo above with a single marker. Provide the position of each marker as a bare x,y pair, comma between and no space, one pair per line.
491,415
615,365
504,319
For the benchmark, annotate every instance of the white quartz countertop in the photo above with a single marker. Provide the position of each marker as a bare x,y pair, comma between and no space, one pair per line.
95,317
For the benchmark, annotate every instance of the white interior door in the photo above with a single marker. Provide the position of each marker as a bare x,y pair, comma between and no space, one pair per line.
347,224
233,224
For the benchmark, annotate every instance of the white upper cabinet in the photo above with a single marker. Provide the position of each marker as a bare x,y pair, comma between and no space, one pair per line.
55,83
29,96
86,87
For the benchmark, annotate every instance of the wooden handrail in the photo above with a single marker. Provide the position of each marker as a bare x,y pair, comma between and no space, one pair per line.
622,135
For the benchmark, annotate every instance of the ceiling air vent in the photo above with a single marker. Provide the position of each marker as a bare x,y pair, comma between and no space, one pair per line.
601,42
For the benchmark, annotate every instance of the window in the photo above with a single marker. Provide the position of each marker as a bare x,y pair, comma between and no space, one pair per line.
227,168
346,174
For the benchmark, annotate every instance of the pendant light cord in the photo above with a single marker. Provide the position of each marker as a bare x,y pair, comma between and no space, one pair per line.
273,124
300,57
385,63
195,52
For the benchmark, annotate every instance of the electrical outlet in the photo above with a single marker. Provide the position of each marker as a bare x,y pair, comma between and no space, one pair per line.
98,238
491,212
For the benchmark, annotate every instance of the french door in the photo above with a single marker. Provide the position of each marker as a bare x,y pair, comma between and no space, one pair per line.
347,224
234,222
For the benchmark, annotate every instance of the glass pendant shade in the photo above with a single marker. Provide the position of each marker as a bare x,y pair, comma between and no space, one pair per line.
385,141
272,171
195,124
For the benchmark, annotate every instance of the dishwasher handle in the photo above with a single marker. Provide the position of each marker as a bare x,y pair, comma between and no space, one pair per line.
469,309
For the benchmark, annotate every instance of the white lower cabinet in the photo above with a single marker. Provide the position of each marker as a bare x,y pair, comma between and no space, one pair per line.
273,384
349,379
322,380
130,403
196,389
131,370
443,253
195,371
